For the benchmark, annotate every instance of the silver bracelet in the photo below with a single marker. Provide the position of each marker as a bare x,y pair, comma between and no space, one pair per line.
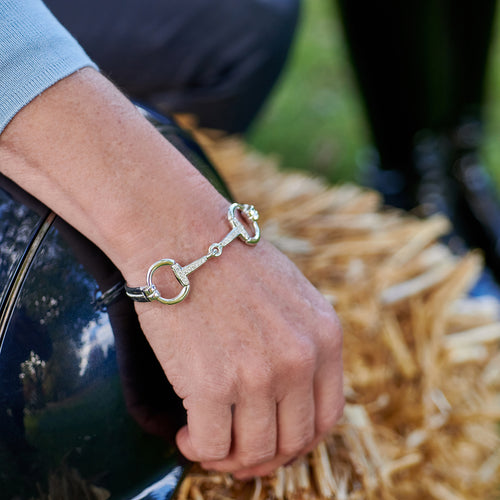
149,292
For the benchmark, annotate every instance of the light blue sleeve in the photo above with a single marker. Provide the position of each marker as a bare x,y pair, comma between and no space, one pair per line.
35,52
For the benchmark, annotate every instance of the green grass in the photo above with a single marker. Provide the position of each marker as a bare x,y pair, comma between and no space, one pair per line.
491,148
315,119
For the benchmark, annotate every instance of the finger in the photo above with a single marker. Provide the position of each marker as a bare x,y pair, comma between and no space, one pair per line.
254,435
328,395
296,417
256,429
278,461
207,435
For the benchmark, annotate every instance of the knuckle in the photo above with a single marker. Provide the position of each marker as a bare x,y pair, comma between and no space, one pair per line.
330,341
256,378
308,353
258,382
302,356
221,390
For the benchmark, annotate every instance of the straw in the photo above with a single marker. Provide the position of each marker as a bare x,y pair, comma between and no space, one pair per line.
421,357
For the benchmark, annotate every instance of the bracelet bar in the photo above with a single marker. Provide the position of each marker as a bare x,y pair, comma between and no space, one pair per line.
231,236
181,273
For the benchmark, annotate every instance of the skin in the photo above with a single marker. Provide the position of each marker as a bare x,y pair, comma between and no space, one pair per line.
255,350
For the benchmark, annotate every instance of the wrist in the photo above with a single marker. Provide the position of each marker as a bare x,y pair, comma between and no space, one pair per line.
182,233
242,220
85,151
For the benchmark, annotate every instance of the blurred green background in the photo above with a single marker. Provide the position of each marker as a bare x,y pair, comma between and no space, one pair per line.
315,117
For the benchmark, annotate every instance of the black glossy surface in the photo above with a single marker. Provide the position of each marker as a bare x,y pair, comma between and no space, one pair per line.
67,373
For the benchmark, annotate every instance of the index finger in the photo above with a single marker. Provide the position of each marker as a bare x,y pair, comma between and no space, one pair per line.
207,436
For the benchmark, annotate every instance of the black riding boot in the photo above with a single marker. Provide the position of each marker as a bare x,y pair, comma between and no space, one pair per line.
420,66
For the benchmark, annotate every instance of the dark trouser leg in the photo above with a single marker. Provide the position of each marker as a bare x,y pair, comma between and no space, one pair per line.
387,55
470,26
217,59
420,64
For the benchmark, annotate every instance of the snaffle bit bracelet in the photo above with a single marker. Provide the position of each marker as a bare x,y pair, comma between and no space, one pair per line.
149,292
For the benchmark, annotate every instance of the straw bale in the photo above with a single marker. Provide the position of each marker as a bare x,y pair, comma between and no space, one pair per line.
422,363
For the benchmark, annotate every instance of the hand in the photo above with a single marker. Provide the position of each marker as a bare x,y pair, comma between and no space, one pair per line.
255,353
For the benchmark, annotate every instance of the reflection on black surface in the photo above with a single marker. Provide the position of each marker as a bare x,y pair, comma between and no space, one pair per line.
20,378
17,224
65,411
